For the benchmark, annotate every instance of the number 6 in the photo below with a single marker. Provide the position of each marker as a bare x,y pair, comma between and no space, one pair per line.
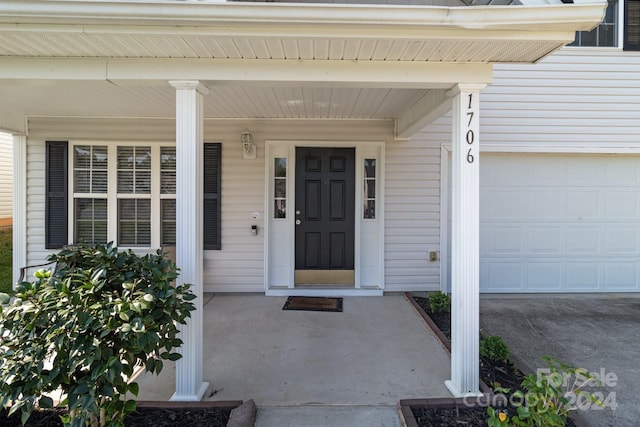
470,158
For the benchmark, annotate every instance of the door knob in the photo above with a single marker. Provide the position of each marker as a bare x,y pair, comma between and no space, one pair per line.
298,222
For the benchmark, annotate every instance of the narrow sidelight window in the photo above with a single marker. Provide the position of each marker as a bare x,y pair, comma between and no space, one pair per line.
280,188
369,192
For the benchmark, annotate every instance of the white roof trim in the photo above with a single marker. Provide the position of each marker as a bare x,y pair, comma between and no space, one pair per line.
537,17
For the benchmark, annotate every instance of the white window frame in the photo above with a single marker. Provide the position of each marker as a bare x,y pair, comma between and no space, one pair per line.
112,195
619,30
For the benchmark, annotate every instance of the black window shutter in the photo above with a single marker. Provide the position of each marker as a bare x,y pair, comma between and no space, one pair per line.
56,194
631,25
212,174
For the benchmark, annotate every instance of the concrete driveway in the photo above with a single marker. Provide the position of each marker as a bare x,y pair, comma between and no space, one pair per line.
600,333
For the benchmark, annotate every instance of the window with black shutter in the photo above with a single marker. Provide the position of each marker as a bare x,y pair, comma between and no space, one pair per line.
56,194
632,25
212,174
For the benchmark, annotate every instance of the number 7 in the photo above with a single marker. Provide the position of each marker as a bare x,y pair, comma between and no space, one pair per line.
470,114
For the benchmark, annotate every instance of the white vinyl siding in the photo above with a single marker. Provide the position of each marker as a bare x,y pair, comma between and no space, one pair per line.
239,266
412,210
6,176
584,96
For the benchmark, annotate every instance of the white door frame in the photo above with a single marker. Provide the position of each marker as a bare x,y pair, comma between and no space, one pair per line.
279,245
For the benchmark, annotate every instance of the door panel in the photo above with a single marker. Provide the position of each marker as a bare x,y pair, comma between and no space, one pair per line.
325,205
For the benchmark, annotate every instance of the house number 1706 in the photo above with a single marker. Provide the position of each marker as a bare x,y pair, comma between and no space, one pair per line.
470,135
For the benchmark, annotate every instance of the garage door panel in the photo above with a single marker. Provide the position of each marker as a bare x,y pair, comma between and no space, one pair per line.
510,170
503,240
545,240
621,204
621,276
547,170
621,240
583,240
622,171
504,276
585,203
583,276
546,204
544,276
585,171
502,204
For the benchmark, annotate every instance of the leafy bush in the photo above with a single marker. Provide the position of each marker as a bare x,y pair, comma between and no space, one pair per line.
85,328
549,397
439,302
493,348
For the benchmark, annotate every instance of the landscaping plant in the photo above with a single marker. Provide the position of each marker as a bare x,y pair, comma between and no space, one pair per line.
439,302
84,328
493,348
548,397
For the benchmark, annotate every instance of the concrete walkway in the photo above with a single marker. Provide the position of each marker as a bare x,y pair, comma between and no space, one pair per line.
600,333
323,368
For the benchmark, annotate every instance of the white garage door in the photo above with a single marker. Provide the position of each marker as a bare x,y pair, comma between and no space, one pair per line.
559,223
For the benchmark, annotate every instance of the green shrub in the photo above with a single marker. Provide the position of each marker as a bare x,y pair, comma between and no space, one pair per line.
101,314
439,302
493,348
549,396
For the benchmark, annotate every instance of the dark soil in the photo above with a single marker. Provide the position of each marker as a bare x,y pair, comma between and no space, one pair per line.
142,417
492,373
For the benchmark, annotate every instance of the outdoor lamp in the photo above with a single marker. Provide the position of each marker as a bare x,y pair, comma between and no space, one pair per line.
248,147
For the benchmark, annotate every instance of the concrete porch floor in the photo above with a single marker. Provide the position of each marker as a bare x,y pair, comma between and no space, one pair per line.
374,353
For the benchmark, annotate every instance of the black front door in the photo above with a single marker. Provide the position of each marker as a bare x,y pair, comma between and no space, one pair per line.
325,204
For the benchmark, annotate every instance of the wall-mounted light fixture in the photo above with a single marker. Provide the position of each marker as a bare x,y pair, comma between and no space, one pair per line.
249,150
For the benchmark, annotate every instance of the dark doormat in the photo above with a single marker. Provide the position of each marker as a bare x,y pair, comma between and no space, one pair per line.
313,304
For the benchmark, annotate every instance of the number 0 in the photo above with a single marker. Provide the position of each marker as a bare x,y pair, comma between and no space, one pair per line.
470,137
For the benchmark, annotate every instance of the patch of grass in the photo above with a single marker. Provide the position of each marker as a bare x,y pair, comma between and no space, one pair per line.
6,260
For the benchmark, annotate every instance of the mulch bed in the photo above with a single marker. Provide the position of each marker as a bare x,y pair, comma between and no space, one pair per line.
144,416
455,412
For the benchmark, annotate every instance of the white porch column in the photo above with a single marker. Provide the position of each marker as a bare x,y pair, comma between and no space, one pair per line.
189,253
465,249
19,204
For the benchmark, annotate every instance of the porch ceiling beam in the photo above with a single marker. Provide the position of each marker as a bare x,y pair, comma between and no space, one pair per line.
250,71
432,105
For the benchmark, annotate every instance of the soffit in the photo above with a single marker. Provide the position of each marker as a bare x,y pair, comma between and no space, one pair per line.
67,98
46,44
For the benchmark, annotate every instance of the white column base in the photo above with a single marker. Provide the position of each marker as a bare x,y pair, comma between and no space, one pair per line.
202,390
455,392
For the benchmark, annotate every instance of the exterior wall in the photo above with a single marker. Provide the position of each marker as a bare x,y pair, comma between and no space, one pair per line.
578,96
6,178
413,209
239,266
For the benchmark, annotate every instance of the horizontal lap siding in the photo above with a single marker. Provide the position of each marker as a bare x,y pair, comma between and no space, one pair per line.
6,176
412,214
239,266
578,96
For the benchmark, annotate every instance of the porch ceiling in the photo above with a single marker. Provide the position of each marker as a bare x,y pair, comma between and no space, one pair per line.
115,58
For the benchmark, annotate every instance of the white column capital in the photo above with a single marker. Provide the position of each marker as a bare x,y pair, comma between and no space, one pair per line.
465,87
190,84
